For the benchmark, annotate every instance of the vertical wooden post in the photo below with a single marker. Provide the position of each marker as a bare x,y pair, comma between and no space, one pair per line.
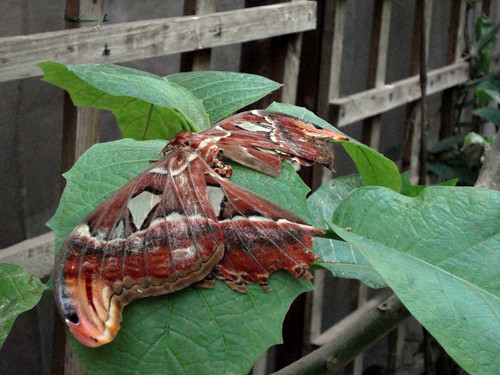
378,64
331,59
197,60
80,131
372,126
455,49
81,125
328,88
413,110
291,68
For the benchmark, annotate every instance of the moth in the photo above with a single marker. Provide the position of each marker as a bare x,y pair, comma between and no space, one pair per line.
182,222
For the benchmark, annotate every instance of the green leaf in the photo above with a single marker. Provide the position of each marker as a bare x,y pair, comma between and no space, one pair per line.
410,190
374,167
487,33
484,95
195,330
324,201
146,106
439,253
474,138
489,113
20,291
344,260
223,93
339,257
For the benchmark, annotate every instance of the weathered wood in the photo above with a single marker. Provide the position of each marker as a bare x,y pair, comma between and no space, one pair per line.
197,60
413,110
337,49
349,109
456,43
35,254
81,125
328,89
80,131
142,39
291,68
378,64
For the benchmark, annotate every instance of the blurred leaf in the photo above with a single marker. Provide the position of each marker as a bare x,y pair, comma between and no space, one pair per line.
486,34
483,96
473,138
489,113
146,106
446,144
20,291
223,93
439,253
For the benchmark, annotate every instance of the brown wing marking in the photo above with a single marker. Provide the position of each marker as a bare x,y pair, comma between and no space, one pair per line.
260,237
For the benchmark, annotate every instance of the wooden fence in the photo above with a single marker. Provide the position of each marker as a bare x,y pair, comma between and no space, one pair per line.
201,29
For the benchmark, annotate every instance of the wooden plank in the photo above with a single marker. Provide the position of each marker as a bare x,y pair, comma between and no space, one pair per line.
142,39
352,108
197,60
411,149
291,68
378,65
35,254
80,131
456,45
328,89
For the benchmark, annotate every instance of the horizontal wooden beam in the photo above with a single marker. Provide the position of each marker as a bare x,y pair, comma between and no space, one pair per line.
35,254
365,104
143,39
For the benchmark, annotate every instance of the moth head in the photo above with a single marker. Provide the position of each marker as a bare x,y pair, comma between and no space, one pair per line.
183,139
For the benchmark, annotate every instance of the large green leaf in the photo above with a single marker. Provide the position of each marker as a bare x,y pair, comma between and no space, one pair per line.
410,190
146,106
196,330
324,201
223,93
339,257
439,253
20,291
346,261
375,168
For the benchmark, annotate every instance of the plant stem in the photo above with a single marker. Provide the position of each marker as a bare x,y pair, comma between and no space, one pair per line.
489,176
352,335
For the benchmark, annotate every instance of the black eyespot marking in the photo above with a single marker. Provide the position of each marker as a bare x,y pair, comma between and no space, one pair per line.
73,318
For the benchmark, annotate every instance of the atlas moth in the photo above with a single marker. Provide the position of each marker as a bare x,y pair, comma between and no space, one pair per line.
182,222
